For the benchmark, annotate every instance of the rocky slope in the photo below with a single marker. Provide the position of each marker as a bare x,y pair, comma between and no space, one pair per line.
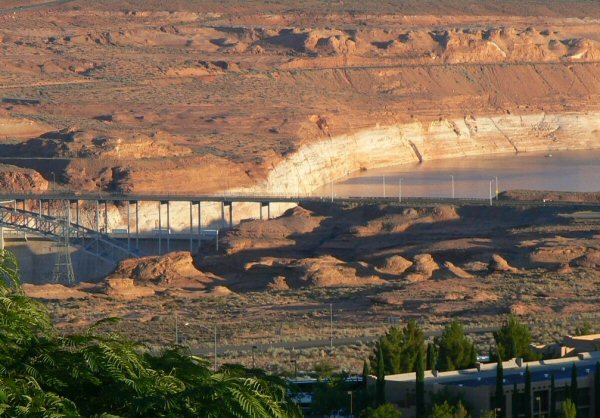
262,98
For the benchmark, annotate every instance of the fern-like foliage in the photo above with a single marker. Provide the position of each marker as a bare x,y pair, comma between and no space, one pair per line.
43,374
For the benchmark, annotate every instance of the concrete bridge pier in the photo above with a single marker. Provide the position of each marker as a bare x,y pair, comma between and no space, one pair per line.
159,228
199,225
168,226
268,206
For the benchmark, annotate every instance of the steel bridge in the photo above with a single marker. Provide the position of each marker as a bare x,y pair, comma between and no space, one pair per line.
97,244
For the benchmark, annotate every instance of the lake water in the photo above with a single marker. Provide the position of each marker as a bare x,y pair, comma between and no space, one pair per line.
559,171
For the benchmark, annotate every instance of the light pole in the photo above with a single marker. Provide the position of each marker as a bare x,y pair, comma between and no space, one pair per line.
400,190
383,186
332,191
452,178
351,409
215,348
331,325
497,190
491,181
253,351
295,368
53,181
214,329
176,328
539,401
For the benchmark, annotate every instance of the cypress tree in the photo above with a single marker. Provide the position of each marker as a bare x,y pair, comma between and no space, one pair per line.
380,385
431,356
574,389
515,401
420,385
500,403
365,373
552,397
365,398
528,403
597,391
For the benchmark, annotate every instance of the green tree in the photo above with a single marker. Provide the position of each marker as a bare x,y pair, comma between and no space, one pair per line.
444,410
597,390
432,356
573,388
324,370
569,409
451,397
527,404
380,384
585,329
516,408
364,395
513,339
552,397
500,402
386,410
331,395
456,351
366,371
399,348
44,374
461,411
420,385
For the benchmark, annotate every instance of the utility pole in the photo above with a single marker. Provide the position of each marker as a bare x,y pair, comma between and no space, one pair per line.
332,191
497,190
215,353
331,325
176,329
400,190
351,409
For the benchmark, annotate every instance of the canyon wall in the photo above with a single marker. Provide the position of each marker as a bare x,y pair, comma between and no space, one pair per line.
316,164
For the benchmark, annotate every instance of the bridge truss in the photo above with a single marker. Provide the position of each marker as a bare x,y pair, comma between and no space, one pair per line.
94,243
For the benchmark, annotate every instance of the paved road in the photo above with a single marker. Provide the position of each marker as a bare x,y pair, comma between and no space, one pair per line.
34,6
337,342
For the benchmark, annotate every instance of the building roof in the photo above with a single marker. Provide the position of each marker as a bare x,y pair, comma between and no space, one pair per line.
590,337
514,372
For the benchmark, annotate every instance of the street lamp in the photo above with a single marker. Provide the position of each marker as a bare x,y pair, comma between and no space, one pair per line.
53,181
253,351
383,187
331,325
295,368
214,329
491,181
539,401
351,410
400,190
331,190
452,178
497,189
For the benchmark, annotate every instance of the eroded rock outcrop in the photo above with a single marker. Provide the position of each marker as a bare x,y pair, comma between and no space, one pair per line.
395,265
174,269
499,264
423,268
